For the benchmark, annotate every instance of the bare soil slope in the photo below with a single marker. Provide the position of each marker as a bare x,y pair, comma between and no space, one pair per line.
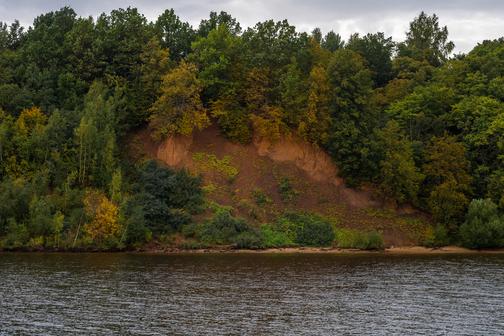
263,179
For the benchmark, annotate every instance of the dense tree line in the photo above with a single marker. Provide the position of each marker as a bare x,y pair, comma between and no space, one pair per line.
423,127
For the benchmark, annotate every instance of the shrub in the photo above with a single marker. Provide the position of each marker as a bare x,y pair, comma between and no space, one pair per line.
190,230
306,229
286,190
374,241
36,243
483,227
222,229
192,245
167,197
249,240
260,197
347,238
137,232
17,234
436,236
223,166
274,238
40,223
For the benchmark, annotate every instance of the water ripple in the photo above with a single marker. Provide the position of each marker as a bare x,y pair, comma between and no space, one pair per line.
127,294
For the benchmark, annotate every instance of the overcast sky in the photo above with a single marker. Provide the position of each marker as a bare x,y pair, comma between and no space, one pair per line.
468,21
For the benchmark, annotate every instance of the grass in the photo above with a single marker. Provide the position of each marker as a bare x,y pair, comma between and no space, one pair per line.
414,228
347,238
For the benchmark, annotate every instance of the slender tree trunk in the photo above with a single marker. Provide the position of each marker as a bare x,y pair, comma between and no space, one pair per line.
77,233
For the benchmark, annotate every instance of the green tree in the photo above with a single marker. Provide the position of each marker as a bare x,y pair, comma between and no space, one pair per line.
95,137
473,116
496,187
422,114
219,19
58,222
10,36
399,177
426,40
116,187
122,36
40,223
316,34
176,35
217,57
483,227
351,137
167,197
144,91
448,179
82,59
293,95
332,41
271,46
377,50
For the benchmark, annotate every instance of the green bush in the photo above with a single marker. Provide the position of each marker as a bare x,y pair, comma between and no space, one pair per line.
222,229
347,238
167,197
436,236
248,240
306,229
260,197
273,238
483,227
136,232
374,241
17,234
190,230
286,190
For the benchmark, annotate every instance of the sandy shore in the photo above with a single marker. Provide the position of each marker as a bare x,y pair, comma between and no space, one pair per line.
400,250
314,250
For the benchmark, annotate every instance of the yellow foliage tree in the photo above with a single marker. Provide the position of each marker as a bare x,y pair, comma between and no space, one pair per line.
267,119
316,119
269,124
104,225
30,120
179,109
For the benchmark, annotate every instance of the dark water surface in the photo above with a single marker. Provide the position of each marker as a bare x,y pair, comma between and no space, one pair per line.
128,294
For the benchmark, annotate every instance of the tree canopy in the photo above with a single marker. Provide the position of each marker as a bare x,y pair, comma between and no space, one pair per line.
407,118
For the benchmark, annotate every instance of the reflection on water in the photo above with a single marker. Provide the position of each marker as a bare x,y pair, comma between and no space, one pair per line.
128,294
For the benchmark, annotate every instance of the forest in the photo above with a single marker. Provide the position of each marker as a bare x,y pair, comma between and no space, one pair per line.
421,125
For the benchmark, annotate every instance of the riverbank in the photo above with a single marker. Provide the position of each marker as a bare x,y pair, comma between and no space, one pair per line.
400,250
328,250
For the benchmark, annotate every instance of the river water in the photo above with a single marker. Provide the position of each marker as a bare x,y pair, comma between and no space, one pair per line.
251,294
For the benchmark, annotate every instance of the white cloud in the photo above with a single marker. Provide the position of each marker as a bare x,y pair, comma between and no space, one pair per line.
469,22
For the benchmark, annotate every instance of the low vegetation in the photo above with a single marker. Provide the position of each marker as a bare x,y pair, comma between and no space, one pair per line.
347,238
286,190
484,226
210,162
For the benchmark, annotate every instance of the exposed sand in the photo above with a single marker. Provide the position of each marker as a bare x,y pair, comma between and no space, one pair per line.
314,250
